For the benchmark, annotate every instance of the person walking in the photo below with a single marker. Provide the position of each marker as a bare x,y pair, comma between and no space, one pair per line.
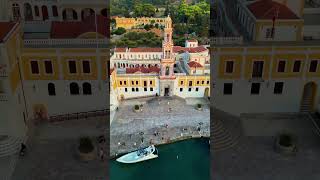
101,154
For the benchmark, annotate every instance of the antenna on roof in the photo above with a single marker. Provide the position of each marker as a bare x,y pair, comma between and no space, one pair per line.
276,14
96,26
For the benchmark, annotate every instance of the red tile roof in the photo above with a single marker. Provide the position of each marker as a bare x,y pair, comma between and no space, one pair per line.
5,29
192,40
152,69
145,49
120,49
190,49
111,71
68,29
267,9
194,64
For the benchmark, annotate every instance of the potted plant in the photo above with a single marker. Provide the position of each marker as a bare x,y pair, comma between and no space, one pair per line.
285,143
199,107
136,108
86,149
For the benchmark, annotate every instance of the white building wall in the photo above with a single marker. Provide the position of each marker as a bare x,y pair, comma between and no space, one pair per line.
312,31
63,102
282,33
11,115
186,93
140,92
241,100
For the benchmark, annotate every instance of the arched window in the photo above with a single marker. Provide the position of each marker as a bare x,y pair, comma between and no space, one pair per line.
45,14
167,71
54,11
86,88
74,88
36,11
16,11
51,89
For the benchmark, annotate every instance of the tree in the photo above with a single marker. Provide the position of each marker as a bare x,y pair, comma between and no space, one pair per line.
147,27
120,31
147,10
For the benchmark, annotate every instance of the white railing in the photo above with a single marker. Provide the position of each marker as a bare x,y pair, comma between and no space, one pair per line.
3,97
3,70
138,74
41,42
311,10
227,40
180,74
41,22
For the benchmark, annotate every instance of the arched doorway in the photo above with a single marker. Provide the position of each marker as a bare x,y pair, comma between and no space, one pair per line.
87,12
308,97
45,14
16,11
28,12
104,12
206,92
69,14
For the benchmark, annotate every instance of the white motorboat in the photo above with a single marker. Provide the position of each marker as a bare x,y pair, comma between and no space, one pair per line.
143,154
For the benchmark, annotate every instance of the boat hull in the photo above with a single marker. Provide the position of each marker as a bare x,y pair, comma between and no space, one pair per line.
136,161
140,155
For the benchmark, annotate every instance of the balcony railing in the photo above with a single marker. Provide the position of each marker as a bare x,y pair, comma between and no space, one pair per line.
4,97
54,42
3,70
79,115
227,40
180,74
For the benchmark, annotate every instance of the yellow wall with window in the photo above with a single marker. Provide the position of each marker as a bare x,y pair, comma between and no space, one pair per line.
27,73
79,75
236,59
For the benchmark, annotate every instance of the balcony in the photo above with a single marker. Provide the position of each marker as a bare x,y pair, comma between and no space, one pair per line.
227,40
3,97
3,70
65,42
256,80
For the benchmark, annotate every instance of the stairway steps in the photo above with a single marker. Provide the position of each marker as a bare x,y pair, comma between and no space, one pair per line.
10,146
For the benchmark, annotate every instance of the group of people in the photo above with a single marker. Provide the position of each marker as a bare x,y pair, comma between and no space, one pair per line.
102,141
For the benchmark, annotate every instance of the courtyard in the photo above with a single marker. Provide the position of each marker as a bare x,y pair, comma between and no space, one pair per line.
162,120
51,153
254,156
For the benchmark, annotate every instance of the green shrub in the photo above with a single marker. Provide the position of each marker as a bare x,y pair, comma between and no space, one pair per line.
199,105
136,107
86,145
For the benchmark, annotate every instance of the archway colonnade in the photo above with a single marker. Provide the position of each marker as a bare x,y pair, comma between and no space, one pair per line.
37,12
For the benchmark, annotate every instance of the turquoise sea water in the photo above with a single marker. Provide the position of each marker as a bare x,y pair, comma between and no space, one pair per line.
192,163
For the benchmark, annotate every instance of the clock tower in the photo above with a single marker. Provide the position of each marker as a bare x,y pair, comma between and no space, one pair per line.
167,76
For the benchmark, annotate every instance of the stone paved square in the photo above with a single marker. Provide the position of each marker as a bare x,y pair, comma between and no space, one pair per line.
254,156
130,127
51,154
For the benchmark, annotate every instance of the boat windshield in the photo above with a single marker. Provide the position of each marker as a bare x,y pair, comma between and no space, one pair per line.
141,152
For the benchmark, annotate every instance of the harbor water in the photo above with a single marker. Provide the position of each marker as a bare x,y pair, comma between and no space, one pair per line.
188,160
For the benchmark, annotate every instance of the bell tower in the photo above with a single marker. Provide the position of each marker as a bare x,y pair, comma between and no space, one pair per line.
167,77
167,61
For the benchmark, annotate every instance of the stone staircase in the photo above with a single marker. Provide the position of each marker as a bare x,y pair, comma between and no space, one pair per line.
225,130
7,166
10,145
306,104
315,118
